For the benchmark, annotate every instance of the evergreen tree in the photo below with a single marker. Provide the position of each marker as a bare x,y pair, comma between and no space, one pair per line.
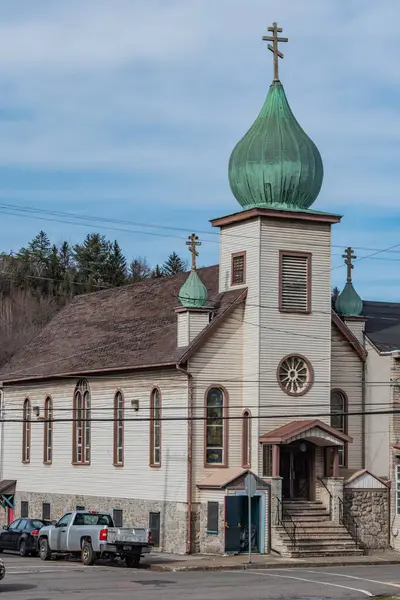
36,255
139,269
157,272
335,293
91,258
116,270
174,264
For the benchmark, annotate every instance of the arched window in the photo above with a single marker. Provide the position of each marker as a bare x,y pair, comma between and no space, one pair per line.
81,424
26,431
48,431
339,419
216,428
246,439
118,429
155,428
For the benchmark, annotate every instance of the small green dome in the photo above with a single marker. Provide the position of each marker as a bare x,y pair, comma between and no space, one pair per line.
276,165
349,303
193,293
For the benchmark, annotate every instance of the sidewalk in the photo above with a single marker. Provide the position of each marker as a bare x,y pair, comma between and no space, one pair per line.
197,562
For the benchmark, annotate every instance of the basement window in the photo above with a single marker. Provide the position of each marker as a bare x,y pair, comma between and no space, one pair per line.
294,282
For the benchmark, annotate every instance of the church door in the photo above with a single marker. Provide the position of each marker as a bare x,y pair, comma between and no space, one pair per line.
297,466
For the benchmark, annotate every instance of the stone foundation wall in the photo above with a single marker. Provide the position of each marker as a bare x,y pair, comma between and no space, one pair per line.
173,523
371,509
203,542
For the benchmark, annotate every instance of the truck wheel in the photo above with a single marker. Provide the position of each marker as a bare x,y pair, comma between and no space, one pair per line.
44,549
23,550
132,560
87,555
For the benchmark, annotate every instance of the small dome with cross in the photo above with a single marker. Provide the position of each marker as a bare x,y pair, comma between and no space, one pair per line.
193,293
349,303
276,165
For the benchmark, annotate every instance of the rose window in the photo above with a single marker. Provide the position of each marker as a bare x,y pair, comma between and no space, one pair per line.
295,375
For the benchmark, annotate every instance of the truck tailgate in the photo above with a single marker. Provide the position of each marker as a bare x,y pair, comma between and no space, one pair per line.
127,534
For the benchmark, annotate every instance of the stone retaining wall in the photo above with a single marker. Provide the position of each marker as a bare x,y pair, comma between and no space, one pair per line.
371,510
173,524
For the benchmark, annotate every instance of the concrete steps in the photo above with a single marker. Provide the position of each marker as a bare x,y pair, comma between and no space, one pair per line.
316,535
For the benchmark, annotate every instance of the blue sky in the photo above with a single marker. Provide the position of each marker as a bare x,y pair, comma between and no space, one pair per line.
129,110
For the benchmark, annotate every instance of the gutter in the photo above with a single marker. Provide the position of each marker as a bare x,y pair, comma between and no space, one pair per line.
189,456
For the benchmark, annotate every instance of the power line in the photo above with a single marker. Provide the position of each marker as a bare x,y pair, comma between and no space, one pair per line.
204,418
152,225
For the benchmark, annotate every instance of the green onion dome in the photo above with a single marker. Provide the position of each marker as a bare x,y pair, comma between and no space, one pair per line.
349,303
193,293
276,165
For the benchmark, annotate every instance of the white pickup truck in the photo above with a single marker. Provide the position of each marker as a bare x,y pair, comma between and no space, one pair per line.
92,535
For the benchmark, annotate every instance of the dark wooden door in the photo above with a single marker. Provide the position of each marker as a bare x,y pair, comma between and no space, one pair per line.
233,506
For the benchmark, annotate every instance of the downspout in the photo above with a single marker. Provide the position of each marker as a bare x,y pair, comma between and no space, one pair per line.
189,456
2,434
363,415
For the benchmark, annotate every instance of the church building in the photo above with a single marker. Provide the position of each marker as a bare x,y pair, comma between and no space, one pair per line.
155,400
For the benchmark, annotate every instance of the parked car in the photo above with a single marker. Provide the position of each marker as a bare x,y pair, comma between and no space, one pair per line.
92,535
22,536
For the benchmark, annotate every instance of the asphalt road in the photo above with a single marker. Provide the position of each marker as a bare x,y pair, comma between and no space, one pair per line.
31,579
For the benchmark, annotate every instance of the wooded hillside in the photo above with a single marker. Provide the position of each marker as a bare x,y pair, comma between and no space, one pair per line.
39,279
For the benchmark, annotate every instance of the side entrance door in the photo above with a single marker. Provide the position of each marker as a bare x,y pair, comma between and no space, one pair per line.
233,525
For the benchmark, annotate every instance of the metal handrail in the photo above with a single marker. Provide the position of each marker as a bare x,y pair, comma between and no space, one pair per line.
349,522
329,493
284,519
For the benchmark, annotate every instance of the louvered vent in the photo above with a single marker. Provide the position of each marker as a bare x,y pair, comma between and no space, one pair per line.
295,274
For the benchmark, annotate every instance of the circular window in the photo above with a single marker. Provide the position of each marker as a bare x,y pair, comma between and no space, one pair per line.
295,375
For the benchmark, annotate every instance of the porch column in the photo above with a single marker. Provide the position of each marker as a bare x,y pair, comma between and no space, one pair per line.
275,460
335,471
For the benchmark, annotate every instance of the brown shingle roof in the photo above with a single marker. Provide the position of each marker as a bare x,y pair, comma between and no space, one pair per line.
286,432
127,327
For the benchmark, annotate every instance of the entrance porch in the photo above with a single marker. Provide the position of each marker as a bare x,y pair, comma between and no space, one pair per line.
301,453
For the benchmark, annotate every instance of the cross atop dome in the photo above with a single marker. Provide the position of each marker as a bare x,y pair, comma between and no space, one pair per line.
274,38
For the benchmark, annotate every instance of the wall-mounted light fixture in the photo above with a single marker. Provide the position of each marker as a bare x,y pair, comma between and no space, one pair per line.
36,411
135,405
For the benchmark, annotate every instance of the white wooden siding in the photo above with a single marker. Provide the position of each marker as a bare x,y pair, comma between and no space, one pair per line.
182,322
283,333
240,237
347,373
377,396
190,324
218,362
136,479
365,481
356,327
197,322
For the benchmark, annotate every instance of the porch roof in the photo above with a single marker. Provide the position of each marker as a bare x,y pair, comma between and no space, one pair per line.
225,477
7,486
314,430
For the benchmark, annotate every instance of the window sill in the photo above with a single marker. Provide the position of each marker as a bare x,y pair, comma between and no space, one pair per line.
155,466
289,311
211,532
215,466
118,465
47,462
26,462
80,464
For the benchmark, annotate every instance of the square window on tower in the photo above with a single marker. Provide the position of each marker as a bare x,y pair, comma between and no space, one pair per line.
238,268
294,282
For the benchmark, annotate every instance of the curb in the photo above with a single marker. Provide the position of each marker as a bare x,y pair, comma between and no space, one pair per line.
286,565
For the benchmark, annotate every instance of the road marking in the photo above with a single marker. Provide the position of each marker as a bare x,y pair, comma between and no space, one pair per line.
353,577
345,587
33,571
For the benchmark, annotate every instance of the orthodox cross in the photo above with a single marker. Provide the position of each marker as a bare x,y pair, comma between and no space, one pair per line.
274,48
192,243
349,256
